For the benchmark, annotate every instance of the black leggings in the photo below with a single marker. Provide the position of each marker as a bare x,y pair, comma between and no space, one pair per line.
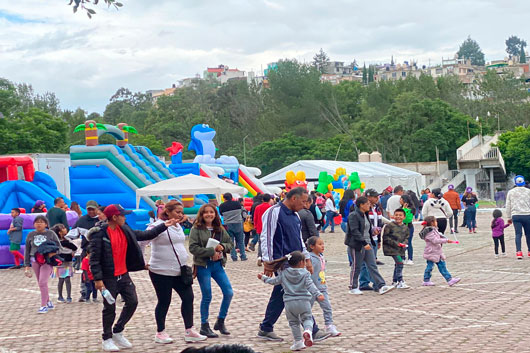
164,285
442,224
498,240
68,287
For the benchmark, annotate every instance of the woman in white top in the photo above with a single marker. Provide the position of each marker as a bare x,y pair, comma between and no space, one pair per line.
167,254
439,208
331,212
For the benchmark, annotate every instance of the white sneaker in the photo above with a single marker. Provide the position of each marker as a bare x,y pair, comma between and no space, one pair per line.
332,330
109,346
298,345
308,338
163,338
121,341
409,262
356,291
496,256
386,289
402,285
193,336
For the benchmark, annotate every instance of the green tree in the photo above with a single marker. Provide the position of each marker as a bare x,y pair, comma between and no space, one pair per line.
365,75
515,151
513,46
470,50
522,58
320,60
8,97
89,11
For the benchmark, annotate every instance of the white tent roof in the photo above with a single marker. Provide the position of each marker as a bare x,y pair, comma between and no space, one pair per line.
189,184
374,174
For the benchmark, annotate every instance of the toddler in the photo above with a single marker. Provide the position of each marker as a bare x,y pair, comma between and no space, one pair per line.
497,232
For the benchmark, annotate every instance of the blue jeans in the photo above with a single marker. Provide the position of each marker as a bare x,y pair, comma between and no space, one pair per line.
471,217
344,227
441,267
329,221
238,238
364,276
410,250
521,222
274,310
215,270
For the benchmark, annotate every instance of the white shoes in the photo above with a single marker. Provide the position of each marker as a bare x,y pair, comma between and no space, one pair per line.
121,341
193,336
109,346
298,345
402,285
386,289
332,330
409,262
356,291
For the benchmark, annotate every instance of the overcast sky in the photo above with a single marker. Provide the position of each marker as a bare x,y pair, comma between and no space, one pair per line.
150,44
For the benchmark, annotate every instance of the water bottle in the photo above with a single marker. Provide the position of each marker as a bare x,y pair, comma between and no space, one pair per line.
108,296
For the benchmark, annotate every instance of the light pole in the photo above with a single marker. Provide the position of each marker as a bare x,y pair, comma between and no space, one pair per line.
245,150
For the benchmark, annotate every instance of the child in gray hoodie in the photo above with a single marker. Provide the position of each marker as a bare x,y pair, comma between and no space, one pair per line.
298,289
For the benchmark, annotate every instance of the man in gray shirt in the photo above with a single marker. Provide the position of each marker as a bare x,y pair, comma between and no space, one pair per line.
231,212
15,237
309,228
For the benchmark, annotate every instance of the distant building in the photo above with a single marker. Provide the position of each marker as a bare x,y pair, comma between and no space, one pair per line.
222,74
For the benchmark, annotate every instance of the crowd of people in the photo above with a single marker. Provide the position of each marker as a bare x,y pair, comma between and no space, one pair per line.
286,231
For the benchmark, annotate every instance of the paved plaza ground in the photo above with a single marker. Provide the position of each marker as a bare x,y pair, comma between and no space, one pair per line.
487,312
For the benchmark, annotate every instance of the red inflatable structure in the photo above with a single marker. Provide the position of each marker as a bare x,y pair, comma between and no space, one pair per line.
9,168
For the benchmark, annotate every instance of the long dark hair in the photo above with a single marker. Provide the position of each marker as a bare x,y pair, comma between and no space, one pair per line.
57,230
292,259
348,195
408,200
168,207
199,221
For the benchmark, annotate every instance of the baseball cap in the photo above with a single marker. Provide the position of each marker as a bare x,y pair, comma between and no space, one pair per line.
469,189
437,193
92,204
115,210
451,187
371,192
389,189
519,180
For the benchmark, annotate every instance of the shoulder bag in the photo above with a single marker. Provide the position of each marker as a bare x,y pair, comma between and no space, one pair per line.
186,272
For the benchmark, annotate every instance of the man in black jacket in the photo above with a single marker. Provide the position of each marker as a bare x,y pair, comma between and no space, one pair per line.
114,252
360,242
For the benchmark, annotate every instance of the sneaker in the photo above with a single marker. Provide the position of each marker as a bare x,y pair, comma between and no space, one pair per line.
453,281
402,285
271,336
503,254
356,291
109,346
244,259
332,330
529,254
50,305
87,301
386,289
61,300
68,300
43,310
193,336
366,288
163,338
320,335
496,256
456,230
298,345
252,247
409,262
519,255
95,300
82,300
428,283
259,261
379,263
308,338
121,341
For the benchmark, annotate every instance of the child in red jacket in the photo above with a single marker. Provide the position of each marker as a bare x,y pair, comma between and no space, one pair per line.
88,280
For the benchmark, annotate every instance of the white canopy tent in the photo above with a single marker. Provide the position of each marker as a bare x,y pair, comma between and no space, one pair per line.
374,174
189,184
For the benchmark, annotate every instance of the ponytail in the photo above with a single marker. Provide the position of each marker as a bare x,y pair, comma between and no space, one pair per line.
292,259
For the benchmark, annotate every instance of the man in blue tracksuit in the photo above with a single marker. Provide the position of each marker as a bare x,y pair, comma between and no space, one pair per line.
281,235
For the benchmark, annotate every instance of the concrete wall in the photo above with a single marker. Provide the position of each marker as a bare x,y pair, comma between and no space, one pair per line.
424,168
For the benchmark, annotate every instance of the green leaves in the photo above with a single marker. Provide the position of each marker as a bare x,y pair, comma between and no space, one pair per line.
515,151
80,127
470,49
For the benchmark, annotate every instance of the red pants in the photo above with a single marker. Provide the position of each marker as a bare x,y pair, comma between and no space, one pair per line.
18,256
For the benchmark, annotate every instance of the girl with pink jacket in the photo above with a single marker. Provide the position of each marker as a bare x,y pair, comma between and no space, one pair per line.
433,252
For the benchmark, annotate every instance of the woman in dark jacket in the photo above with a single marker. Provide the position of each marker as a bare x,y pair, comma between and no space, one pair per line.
359,241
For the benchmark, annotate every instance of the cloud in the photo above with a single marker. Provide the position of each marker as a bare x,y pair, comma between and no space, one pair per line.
151,44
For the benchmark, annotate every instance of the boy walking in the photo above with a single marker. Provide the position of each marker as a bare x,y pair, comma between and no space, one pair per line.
395,238
15,237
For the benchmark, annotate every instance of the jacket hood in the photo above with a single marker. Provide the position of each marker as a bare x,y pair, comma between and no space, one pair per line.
425,231
292,275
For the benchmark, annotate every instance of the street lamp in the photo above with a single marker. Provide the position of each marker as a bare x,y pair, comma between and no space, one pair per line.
245,150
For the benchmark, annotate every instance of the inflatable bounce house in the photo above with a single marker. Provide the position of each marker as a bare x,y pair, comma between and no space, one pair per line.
21,190
205,163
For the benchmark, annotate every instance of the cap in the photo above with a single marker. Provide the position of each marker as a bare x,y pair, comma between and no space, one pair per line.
389,189
92,204
519,180
115,210
437,193
469,189
371,192
39,203
451,187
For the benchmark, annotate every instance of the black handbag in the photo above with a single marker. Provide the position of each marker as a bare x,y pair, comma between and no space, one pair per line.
186,273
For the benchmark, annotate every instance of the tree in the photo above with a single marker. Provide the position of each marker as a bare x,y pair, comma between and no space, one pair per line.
513,45
365,75
514,149
8,98
320,60
89,11
522,58
470,50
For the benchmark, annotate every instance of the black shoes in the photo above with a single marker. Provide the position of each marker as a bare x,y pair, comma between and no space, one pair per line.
207,331
220,326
